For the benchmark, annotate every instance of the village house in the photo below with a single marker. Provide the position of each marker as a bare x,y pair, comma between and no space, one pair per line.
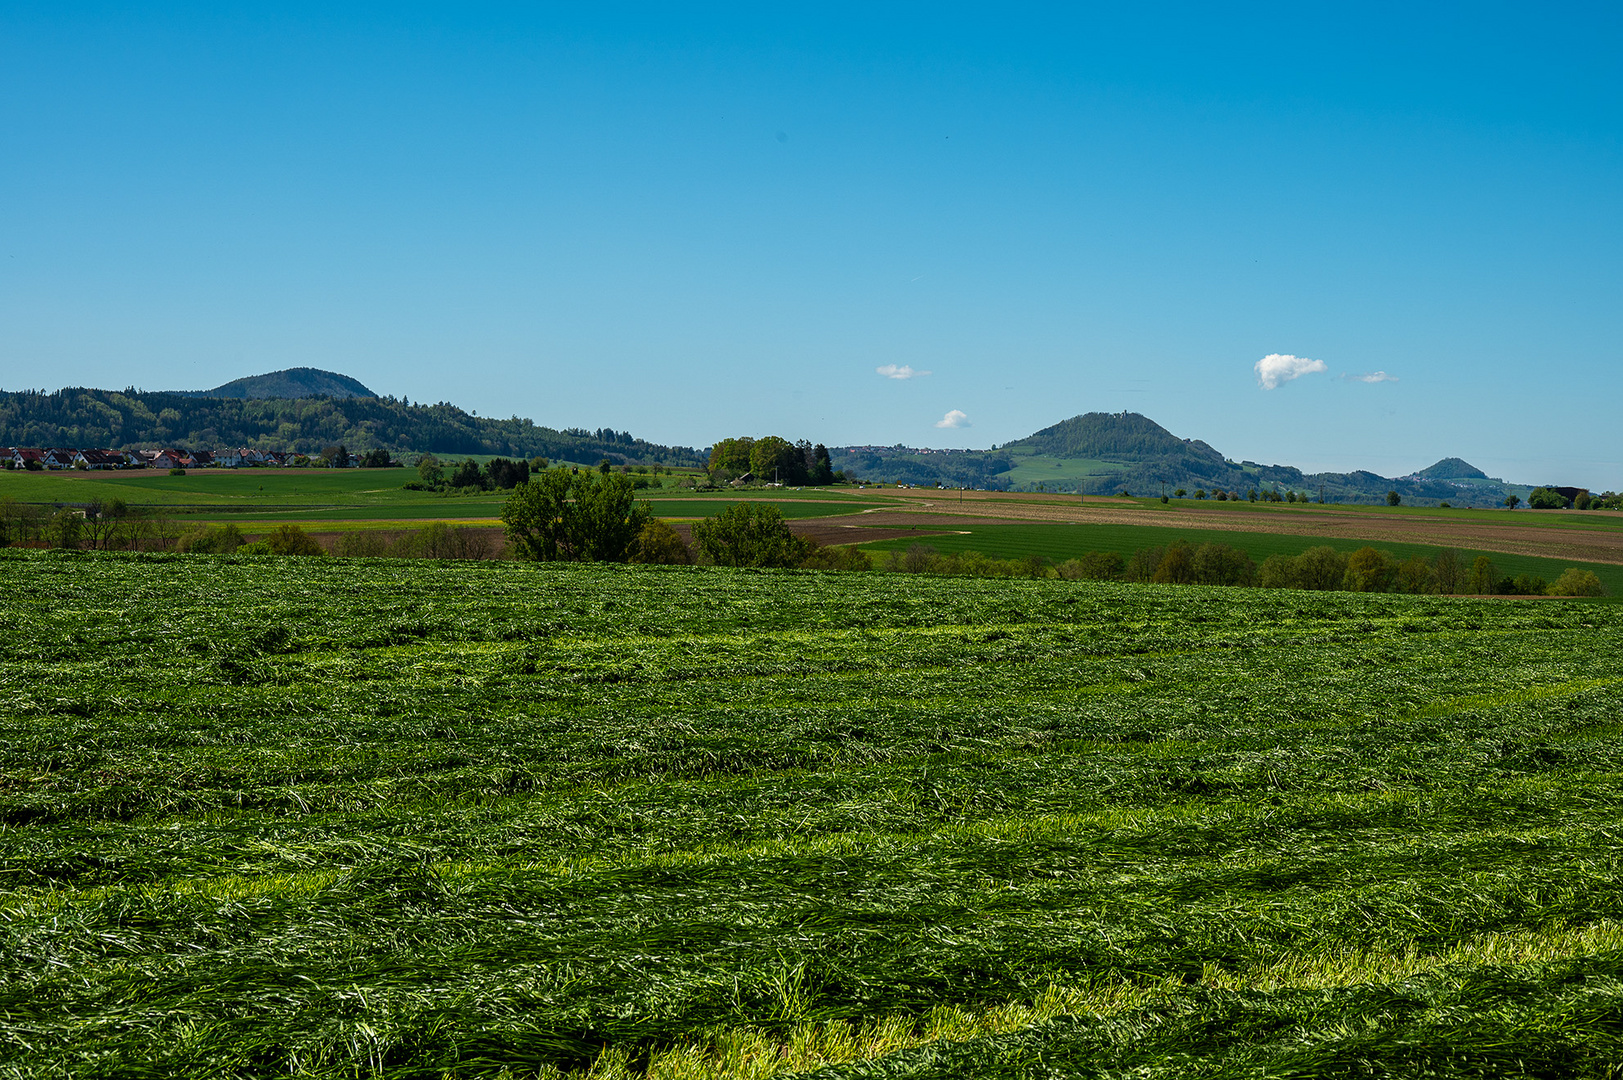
99,459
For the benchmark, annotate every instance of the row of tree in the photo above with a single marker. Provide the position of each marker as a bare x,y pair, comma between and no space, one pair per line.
1320,568
497,474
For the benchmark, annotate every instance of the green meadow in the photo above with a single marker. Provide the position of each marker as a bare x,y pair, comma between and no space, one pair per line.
351,495
1059,542
355,818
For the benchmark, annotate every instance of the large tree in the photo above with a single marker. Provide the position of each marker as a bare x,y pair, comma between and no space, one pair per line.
731,455
574,517
749,534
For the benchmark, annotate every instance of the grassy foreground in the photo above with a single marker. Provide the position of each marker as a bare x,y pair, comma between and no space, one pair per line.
340,818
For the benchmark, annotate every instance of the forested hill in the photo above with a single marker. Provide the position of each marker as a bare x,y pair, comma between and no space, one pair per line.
1113,437
291,383
131,419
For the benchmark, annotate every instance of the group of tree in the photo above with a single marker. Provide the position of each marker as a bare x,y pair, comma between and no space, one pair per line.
1549,498
131,419
773,459
563,515
497,474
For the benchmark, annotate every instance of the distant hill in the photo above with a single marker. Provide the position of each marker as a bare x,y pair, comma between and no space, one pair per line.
299,382
1113,436
1103,453
79,417
1452,468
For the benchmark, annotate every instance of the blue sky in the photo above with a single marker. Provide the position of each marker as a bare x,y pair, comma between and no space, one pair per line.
699,221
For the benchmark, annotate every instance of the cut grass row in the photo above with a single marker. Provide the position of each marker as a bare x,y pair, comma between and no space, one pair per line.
332,817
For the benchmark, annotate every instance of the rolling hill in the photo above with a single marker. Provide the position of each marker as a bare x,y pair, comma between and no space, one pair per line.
238,415
1104,453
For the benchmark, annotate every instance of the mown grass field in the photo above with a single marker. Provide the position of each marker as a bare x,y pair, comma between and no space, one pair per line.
1070,540
355,818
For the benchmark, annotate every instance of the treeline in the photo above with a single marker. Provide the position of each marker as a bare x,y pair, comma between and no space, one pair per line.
134,419
1322,569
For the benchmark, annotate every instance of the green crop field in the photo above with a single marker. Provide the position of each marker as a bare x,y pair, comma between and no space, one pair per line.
322,817
1070,540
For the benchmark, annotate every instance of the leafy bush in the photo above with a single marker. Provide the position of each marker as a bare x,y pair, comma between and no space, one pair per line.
837,557
749,534
291,540
213,540
1576,582
659,543
574,517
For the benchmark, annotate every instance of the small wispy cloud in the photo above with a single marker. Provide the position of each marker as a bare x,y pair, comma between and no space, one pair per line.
1371,376
955,418
902,371
1276,368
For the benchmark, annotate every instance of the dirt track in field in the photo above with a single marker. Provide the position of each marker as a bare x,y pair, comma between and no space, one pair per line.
1595,536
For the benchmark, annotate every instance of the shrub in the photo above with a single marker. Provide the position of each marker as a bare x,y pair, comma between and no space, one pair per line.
574,517
1278,572
177,472
1144,564
1369,570
749,534
1528,585
1177,565
1416,575
1221,564
292,540
1094,566
1576,582
213,540
1321,568
367,543
659,543
833,557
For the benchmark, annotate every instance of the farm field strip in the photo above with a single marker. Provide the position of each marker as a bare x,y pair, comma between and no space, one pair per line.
1064,541
353,817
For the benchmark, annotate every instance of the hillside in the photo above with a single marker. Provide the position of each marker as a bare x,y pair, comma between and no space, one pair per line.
79,417
1452,468
299,382
1103,453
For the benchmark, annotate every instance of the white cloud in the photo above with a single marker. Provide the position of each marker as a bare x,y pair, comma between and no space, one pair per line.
892,371
1372,376
953,419
1276,368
